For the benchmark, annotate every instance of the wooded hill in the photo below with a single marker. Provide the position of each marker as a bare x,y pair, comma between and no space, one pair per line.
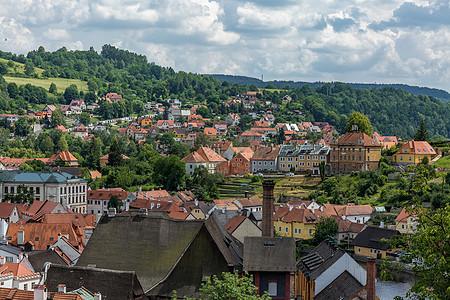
392,111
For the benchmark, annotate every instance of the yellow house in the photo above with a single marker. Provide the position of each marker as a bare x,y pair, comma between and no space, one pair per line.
302,158
368,242
405,223
146,121
295,222
413,152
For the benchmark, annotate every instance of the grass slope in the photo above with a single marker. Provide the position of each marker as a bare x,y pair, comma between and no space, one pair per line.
20,68
443,162
61,83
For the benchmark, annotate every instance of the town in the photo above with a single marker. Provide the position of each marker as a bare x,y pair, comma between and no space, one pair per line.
150,206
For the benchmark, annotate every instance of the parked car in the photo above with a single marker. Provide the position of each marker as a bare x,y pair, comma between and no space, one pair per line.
289,174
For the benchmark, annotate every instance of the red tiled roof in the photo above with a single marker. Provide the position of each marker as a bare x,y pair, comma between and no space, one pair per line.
107,156
106,194
280,212
86,220
357,138
417,147
179,215
234,223
249,202
64,155
302,215
266,153
7,208
204,154
17,270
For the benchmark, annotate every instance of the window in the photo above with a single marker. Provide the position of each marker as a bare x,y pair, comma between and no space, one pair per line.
371,251
299,231
401,157
12,190
286,229
315,157
403,226
309,164
38,190
279,229
36,239
410,158
295,230
272,288
25,287
310,231
9,259
302,157
6,190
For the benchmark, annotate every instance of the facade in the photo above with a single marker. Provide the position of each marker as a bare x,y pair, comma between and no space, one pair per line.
238,165
405,223
241,227
413,152
369,242
81,131
265,159
295,222
304,158
97,200
60,187
354,152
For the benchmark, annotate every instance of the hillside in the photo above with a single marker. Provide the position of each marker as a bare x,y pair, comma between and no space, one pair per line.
415,90
392,111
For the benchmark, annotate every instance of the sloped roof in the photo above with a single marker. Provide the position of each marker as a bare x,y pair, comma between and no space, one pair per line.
17,269
16,294
266,153
301,215
371,237
281,212
402,216
39,258
249,202
234,223
6,209
204,154
111,284
106,157
87,220
416,147
106,194
265,254
343,287
354,210
357,138
38,177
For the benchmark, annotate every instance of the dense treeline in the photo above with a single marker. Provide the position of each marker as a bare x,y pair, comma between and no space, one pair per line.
391,111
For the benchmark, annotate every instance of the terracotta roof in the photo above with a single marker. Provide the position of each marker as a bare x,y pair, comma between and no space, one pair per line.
81,128
204,154
64,155
107,156
16,294
105,194
6,209
249,202
250,133
86,220
301,215
42,235
210,131
161,122
357,138
95,174
280,212
18,270
178,215
234,223
403,215
39,208
354,210
416,148
266,153
61,128
225,203
156,194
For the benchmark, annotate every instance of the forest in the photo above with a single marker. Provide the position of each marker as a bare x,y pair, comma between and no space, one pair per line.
392,111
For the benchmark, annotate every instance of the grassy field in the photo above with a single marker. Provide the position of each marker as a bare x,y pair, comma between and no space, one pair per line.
443,162
61,83
20,68
295,186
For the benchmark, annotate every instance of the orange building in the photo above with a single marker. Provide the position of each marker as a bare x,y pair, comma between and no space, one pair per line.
238,165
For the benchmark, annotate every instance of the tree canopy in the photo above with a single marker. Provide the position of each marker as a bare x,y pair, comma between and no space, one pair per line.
359,123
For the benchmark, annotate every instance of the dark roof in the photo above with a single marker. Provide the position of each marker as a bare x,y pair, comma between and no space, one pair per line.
269,254
371,237
319,259
39,258
343,287
11,249
111,284
155,244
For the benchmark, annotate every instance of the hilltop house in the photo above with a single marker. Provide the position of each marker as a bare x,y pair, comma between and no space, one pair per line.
202,157
413,152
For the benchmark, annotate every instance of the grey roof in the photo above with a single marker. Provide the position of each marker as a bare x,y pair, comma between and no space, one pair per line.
36,177
306,149
288,150
269,254
111,284
224,216
11,249
319,260
39,258
371,237
153,246
345,286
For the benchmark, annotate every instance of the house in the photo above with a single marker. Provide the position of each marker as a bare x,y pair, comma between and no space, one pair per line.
348,230
220,146
241,227
38,209
252,206
79,103
233,119
369,242
221,128
354,213
11,212
58,187
295,222
265,159
354,152
49,109
176,254
406,222
39,293
92,106
233,151
271,261
61,128
80,131
10,117
265,132
413,152
328,272
113,97
97,200
145,121
202,157
63,158
250,136
140,134
19,275
210,131
165,125
9,252
304,158
238,165
108,284
104,159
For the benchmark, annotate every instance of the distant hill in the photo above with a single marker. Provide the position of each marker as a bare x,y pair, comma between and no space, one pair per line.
414,90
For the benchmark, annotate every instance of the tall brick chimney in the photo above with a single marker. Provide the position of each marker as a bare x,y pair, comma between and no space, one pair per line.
371,274
267,219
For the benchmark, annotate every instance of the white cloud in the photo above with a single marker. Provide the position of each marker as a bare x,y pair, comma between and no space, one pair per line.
57,34
15,37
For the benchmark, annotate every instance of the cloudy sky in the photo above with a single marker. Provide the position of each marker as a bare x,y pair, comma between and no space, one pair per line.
383,41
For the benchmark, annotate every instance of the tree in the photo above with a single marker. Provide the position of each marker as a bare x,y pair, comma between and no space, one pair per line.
47,145
52,89
170,172
21,127
230,286
421,133
85,118
115,202
280,137
359,123
93,157
115,154
324,229
62,143
202,140
23,195
29,68
71,93
57,118
3,68
322,170
429,249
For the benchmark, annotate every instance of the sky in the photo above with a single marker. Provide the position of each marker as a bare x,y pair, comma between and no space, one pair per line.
382,41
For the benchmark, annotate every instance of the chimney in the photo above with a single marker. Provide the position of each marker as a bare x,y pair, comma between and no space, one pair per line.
111,212
223,209
127,205
97,296
267,219
61,288
40,292
143,212
20,237
371,273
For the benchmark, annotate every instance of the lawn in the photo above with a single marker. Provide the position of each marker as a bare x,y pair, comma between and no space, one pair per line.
20,68
61,83
443,162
